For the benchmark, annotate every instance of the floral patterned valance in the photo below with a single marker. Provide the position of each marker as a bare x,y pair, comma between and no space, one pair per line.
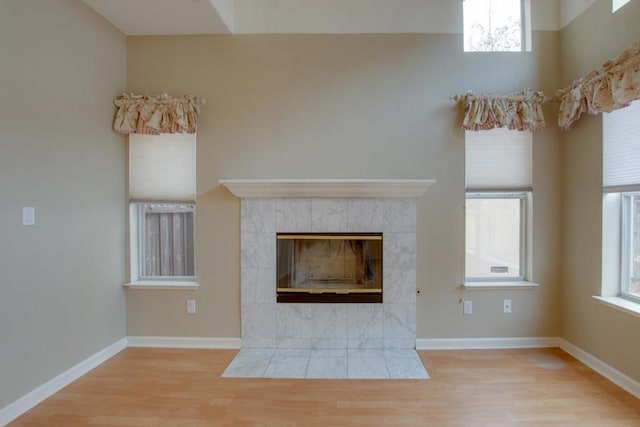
153,115
521,111
613,86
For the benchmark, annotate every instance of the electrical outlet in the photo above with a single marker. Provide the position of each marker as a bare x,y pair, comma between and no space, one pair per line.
467,307
506,306
191,306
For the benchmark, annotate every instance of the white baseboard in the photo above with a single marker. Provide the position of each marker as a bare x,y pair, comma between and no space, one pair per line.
31,399
610,373
625,382
484,343
184,342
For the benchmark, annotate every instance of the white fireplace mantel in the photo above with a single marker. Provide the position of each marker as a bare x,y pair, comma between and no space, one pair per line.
338,188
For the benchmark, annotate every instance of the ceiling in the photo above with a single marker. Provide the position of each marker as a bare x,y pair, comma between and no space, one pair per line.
156,17
174,17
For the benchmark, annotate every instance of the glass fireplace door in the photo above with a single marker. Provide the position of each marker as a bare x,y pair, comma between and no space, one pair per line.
329,265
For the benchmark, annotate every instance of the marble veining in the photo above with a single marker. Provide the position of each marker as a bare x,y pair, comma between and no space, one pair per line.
328,215
265,323
258,215
399,285
337,363
365,215
293,215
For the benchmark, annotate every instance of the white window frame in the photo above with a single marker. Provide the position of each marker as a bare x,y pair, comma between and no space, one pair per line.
136,256
613,247
492,168
625,246
525,206
525,31
619,182
136,217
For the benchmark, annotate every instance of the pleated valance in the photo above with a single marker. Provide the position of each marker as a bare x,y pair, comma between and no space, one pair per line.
613,86
521,111
154,115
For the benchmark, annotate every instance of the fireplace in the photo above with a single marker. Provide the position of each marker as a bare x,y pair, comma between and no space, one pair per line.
329,267
272,207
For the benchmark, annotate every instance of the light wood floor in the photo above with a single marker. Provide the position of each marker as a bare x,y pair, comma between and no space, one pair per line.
170,387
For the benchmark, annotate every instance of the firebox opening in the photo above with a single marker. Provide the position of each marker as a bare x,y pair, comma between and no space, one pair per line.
329,267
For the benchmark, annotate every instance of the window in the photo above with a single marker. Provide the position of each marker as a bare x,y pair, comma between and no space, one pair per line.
630,265
621,203
498,205
617,4
496,25
165,240
494,235
162,195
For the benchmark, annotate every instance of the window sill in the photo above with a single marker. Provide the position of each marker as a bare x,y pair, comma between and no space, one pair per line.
475,286
163,285
621,304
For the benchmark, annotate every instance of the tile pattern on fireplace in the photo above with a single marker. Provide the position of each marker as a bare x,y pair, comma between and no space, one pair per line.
265,323
326,364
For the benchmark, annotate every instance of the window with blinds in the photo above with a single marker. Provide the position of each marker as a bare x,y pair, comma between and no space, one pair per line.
498,159
621,149
621,179
498,183
162,205
162,167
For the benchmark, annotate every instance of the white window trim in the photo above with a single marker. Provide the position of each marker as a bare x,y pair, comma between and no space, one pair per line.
612,251
163,191
621,304
493,286
163,286
526,26
135,281
526,258
619,179
526,31
625,251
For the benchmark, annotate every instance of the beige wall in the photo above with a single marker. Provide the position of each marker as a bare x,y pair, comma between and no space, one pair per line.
294,106
61,298
348,106
608,334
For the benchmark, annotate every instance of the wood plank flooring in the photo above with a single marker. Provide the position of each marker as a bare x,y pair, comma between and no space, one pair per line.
177,387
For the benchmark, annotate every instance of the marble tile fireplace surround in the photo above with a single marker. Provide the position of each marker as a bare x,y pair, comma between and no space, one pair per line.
328,206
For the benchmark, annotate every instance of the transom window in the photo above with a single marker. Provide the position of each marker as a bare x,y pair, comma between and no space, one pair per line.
496,25
617,4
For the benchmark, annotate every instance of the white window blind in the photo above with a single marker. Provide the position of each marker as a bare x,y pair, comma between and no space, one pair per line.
621,149
498,159
162,167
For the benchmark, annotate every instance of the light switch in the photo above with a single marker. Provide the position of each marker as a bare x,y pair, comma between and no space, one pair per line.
28,216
